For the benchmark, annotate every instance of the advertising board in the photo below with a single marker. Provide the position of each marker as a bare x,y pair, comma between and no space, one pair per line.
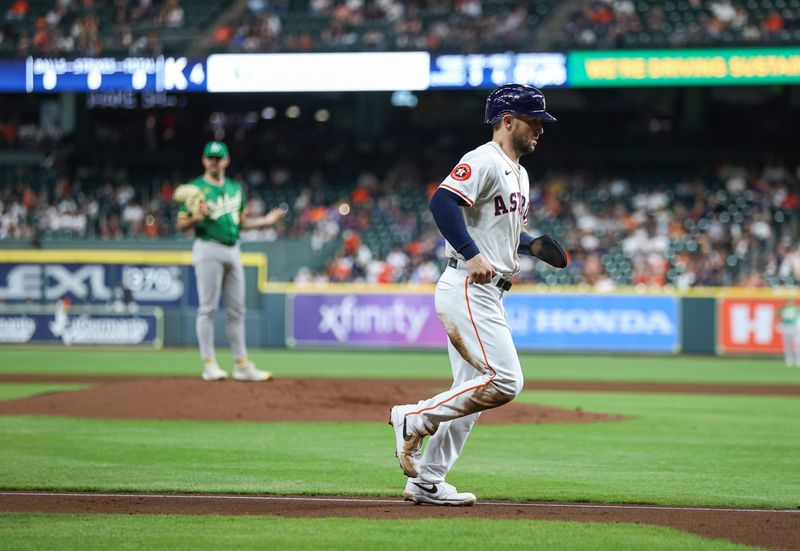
749,326
364,320
686,67
538,322
30,324
612,323
94,276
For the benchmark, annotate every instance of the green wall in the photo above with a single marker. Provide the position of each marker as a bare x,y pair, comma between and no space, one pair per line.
284,257
698,325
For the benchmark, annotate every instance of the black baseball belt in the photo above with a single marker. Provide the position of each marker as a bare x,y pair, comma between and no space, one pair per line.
503,283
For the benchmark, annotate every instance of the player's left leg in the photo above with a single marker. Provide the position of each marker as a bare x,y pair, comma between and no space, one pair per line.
478,329
445,446
443,450
234,300
235,309
475,323
474,320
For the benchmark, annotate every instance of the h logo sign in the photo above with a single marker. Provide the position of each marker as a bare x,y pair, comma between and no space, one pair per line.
752,323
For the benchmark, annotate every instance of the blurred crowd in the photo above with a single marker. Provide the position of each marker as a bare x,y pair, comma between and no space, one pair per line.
736,227
139,27
89,27
360,25
25,135
67,210
387,234
739,226
472,25
627,23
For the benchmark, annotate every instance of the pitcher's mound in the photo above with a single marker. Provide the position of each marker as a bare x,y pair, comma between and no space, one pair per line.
284,399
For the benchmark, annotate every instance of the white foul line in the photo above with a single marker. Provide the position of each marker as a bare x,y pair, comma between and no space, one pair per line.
398,501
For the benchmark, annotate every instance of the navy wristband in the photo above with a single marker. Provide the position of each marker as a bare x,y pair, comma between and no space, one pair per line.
525,240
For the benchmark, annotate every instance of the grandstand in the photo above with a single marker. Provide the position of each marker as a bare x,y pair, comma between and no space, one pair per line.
725,190
724,225
681,23
177,27
104,28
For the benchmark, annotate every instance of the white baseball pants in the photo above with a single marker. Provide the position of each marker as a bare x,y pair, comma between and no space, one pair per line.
791,344
486,370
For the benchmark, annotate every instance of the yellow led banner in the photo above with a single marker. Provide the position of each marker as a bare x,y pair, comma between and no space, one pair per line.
684,67
108,256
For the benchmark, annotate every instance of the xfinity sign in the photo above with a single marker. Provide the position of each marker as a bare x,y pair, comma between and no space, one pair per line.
364,320
348,317
581,322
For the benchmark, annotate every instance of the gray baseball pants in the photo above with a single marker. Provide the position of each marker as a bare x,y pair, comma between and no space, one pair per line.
219,271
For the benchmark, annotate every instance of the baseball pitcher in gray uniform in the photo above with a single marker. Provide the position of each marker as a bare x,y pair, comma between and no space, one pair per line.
214,207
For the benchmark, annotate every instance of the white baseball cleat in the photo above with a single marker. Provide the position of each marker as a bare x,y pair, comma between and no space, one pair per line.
248,372
212,372
406,445
440,493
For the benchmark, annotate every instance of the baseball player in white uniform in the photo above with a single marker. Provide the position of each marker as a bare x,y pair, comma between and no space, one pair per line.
481,209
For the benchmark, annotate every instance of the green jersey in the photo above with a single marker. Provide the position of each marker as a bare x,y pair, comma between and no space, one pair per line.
225,207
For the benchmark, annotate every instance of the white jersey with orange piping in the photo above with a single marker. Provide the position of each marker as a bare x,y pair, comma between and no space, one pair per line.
495,190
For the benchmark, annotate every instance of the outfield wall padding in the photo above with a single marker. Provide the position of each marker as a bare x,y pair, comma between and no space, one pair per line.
699,327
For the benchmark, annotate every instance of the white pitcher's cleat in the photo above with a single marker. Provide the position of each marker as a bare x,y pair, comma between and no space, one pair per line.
212,372
249,372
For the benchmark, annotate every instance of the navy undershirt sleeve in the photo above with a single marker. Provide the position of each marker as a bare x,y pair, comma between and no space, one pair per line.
446,209
525,240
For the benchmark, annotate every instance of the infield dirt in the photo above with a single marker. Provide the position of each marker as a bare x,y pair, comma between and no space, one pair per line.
331,400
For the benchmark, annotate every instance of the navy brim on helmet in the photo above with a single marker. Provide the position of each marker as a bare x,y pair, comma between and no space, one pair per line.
543,115
516,99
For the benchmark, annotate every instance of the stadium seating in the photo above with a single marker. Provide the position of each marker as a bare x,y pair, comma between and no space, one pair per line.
713,231
93,28
682,23
97,27
487,26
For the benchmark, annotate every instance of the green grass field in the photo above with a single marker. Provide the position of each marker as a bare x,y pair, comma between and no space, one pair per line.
676,449
402,364
26,531
11,391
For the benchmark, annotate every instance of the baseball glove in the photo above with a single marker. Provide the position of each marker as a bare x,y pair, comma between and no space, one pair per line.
189,196
546,248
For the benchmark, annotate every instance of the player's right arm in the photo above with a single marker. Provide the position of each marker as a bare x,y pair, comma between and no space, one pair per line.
460,189
187,221
446,209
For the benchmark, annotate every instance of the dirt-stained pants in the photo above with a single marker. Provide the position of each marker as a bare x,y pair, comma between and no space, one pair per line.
486,370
